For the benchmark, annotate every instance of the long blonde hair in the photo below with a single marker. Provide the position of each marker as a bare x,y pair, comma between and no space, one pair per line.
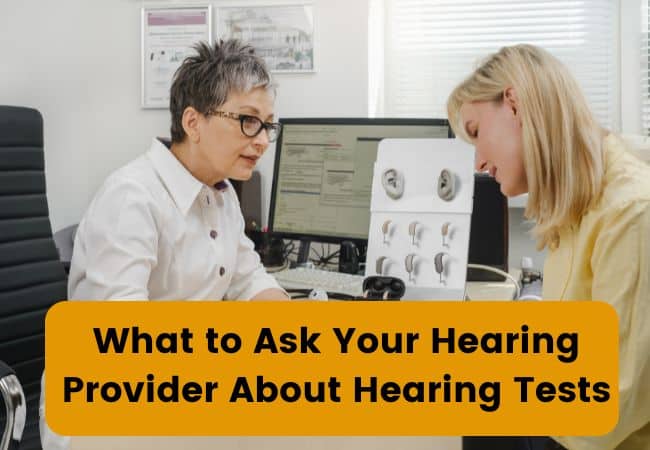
562,141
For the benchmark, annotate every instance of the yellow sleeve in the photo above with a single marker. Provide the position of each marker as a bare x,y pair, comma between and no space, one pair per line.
620,266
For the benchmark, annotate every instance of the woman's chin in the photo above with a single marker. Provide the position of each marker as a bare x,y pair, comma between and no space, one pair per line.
241,174
510,191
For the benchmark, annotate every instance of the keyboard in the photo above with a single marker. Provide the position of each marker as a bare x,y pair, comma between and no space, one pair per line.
302,278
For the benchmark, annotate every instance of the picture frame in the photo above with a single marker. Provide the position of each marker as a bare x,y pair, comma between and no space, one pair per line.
282,34
168,34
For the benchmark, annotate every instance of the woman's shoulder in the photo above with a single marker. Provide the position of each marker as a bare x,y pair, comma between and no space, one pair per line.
627,178
132,186
625,194
138,174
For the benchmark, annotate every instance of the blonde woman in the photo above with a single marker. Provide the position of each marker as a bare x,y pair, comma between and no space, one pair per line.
589,199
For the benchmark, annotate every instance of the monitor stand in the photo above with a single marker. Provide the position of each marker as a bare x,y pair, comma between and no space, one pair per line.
303,252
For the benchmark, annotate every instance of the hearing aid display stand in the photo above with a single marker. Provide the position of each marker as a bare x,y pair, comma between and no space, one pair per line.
421,207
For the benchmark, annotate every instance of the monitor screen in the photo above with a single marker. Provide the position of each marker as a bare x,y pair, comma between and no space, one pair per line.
323,174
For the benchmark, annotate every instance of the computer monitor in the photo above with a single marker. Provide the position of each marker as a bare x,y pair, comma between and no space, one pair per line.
488,238
322,179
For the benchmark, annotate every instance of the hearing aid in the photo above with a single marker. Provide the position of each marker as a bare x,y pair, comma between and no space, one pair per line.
439,265
393,183
412,231
445,233
409,265
379,265
447,185
385,228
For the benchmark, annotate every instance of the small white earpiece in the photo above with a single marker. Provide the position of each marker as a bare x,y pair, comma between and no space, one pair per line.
318,294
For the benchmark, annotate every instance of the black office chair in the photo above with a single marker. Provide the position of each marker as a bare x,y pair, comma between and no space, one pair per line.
14,399
31,276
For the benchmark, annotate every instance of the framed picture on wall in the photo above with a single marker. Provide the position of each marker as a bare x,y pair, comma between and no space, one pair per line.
168,34
282,34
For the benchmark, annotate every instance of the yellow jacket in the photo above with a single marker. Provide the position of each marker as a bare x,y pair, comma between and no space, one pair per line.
607,257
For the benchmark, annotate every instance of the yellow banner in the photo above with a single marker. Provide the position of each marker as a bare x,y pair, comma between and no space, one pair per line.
331,368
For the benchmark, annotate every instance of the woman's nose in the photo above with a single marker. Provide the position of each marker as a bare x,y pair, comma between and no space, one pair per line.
480,164
261,141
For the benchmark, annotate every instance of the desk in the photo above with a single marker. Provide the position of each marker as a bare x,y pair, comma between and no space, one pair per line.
266,443
351,284
477,291
489,290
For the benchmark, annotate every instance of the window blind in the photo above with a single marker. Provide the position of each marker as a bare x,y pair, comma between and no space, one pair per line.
432,45
645,69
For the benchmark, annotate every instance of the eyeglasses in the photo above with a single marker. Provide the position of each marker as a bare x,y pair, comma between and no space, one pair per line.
251,126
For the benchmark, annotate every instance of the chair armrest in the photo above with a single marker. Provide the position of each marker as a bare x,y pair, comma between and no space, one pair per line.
15,406
64,241
5,370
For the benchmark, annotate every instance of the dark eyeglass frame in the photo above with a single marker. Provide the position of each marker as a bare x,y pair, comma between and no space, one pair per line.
273,129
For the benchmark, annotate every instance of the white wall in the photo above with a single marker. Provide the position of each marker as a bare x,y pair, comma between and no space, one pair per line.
78,62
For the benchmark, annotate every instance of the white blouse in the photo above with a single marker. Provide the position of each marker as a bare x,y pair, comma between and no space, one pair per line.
153,231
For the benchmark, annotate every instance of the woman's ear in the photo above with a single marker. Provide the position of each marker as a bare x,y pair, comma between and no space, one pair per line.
190,122
510,97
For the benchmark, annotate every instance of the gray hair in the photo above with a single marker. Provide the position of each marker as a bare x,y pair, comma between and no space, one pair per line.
205,80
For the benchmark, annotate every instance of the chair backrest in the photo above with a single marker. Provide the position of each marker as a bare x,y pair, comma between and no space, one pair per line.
31,276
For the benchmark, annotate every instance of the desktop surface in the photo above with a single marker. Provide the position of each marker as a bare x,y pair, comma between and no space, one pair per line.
267,443
347,284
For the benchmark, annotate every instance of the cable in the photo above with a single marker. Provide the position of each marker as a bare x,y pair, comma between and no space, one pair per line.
502,273
322,259
287,250
325,260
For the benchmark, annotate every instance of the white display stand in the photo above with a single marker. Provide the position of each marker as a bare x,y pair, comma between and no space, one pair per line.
391,240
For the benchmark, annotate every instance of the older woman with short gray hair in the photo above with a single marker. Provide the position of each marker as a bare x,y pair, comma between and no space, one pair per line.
168,224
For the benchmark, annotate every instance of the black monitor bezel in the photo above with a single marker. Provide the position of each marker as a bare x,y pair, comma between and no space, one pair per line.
335,121
484,184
